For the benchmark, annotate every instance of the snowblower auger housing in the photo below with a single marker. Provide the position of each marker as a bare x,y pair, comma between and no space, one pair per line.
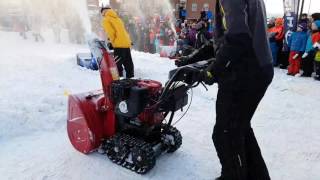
126,119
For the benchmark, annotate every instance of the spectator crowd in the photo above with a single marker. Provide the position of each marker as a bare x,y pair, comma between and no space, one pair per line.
299,50
150,33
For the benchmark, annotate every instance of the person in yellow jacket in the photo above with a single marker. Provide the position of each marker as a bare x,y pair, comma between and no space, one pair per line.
120,40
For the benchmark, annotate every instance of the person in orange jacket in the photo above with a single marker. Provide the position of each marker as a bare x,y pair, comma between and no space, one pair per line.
276,36
120,40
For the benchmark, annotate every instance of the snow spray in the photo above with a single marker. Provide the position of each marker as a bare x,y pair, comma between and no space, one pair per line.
48,19
143,9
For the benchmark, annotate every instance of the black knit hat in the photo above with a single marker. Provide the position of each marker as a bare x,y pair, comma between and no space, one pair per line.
104,8
315,16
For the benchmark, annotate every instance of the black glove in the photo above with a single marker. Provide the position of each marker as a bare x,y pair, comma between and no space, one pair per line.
182,61
110,47
207,77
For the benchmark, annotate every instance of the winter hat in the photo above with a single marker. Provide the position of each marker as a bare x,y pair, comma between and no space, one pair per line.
317,23
303,26
272,20
315,16
279,22
104,8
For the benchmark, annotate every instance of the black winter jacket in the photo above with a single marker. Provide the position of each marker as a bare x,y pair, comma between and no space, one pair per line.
241,34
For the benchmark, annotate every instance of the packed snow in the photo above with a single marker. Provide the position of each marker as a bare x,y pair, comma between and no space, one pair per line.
35,79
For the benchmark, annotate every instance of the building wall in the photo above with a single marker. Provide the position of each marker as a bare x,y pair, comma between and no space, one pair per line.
194,7
115,4
193,13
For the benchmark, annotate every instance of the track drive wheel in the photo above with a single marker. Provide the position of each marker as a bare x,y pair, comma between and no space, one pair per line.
172,138
143,158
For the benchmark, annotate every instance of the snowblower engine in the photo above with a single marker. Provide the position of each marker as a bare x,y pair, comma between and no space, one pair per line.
127,120
133,98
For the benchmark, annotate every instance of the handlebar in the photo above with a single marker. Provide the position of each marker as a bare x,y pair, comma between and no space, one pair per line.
189,74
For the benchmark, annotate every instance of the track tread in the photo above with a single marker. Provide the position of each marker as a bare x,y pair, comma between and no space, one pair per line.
129,145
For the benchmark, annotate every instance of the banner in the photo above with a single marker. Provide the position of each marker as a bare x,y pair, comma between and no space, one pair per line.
291,11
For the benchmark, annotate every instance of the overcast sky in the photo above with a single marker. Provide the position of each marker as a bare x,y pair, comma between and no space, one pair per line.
276,6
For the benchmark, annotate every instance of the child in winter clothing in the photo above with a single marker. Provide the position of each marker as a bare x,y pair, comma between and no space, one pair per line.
157,43
171,37
152,37
312,53
308,58
316,45
297,44
309,55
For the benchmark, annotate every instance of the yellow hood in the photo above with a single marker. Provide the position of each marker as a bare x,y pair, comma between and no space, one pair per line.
112,13
116,31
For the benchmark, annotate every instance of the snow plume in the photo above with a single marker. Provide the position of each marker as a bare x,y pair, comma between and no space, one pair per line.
49,17
168,9
145,9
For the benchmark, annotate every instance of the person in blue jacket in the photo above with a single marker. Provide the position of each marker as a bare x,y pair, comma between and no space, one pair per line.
182,13
309,55
297,44
308,58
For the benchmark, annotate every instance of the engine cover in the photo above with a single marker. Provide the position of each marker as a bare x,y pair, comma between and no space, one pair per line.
131,97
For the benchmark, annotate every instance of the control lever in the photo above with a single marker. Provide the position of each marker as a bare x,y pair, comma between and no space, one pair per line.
204,86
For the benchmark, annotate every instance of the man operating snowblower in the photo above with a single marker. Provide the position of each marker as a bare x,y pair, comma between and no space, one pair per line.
243,70
120,40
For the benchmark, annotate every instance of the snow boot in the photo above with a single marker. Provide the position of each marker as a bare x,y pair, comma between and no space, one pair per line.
305,75
281,66
220,178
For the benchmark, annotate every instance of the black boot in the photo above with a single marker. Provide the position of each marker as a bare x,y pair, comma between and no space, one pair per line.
305,75
283,66
317,78
317,68
220,178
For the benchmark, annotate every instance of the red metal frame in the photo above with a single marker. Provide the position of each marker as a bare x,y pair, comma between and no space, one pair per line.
91,115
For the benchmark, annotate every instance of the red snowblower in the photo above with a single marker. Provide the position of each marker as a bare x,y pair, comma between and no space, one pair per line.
127,119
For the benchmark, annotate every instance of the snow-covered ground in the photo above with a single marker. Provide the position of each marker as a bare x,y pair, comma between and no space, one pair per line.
35,79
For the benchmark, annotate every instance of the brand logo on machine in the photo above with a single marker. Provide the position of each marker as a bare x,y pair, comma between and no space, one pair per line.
123,107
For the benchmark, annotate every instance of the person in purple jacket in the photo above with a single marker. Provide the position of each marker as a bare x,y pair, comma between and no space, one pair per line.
192,35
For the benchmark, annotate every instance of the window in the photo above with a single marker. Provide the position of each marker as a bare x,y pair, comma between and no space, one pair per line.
194,7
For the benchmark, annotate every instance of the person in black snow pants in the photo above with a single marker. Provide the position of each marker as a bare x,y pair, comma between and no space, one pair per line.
120,40
243,70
